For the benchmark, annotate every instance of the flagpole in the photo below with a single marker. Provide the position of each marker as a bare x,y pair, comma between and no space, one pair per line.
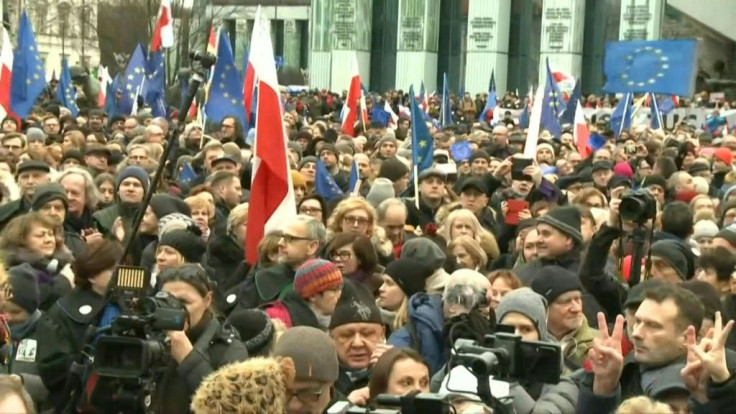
416,183
623,119
660,119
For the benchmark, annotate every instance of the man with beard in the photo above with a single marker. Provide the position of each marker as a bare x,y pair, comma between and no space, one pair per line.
545,154
231,130
95,121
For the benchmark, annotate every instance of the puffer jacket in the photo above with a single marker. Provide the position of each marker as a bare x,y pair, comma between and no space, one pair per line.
426,318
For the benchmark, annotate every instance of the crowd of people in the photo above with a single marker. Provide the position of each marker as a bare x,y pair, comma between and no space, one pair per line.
365,294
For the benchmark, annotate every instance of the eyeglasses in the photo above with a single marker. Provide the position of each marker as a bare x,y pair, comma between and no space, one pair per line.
310,210
309,396
361,221
288,238
343,256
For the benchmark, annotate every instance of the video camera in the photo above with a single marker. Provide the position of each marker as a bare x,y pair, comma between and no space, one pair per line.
638,206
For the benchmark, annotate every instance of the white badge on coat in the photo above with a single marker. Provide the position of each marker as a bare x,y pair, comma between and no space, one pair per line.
26,351
231,298
84,310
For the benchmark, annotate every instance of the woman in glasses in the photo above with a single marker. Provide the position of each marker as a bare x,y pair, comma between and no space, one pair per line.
356,215
356,258
314,205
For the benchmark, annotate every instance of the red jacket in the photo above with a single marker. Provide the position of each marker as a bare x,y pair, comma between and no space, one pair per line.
279,311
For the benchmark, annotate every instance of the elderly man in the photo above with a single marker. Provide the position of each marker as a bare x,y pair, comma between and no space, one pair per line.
154,134
83,196
30,175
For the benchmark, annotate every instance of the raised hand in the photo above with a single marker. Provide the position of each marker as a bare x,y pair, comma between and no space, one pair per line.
711,351
693,374
606,356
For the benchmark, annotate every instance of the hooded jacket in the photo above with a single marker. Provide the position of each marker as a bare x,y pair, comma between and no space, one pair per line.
427,317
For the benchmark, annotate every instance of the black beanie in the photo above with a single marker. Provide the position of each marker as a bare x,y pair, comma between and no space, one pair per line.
654,179
24,284
188,242
708,295
164,204
553,281
411,275
255,328
478,155
393,169
565,219
328,147
356,305
48,192
674,253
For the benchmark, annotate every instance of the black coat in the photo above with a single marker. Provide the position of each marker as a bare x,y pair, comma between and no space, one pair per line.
12,210
51,283
262,286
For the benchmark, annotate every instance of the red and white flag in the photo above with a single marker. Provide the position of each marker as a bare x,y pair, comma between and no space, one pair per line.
6,74
393,123
163,34
272,200
212,42
355,103
581,133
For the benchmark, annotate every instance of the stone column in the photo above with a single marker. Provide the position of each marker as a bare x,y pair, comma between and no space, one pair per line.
641,19
416,56
562,37
351,36
488,44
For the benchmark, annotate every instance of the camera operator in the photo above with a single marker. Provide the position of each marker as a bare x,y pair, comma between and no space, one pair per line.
201,348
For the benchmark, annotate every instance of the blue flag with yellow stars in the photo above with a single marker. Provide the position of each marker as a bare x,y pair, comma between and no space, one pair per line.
551,106
65,93
226,91
29,76
155,86
324,184
422,142
132,83
658,66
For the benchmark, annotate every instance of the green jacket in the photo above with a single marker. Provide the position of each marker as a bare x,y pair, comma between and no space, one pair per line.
575,347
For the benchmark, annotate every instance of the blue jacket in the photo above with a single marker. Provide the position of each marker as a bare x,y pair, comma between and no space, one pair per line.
427,317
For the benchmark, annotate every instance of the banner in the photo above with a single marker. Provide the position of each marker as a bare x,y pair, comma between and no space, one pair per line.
696,116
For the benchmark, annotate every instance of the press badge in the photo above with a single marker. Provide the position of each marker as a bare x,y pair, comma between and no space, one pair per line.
26,351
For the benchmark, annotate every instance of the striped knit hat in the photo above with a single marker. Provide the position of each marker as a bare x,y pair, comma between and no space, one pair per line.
315,276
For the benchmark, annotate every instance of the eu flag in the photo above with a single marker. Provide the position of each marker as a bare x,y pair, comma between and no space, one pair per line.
111,99
658,66
622,114
446,109
132,81
155,88
29,76
492,101
354,176
666,104
226,91
657,120
380,115
324,184
65,93
568,115
422,142
551,106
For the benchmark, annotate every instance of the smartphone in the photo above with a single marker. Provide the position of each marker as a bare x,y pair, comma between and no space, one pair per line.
517,168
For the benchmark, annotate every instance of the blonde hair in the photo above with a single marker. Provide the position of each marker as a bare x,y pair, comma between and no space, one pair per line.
334,223
236,216
643,405
485,239
472,246
197,202
402,315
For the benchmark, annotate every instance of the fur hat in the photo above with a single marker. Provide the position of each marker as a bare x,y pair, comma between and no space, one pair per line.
254,386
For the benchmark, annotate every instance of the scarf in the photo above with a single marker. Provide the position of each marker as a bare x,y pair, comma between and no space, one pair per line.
18,331
79,224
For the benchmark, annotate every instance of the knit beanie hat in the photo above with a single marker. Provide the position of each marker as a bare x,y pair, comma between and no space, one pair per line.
565,219
48,192
187,242
356,305
35,134
24,284
73,154
724,154
387,137
528,303
328,147
425,250
546,146
393,169
381,189
136,172
298,180
479,155
255,328
673,253
165,204
707,294
313,353
316,276
624,169
654,179
307,159
704,228
411,275
728,234
174,221
254,386
553,281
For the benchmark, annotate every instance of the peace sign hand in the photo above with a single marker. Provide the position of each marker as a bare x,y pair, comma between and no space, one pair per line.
693,374
606,356
711,351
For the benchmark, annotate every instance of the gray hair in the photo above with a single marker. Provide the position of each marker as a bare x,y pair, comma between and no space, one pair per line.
92,194
315,229
388,203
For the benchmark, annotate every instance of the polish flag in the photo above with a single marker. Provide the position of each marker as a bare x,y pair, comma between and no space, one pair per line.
6,74
355,103
193,109
581,133
163,34
394,118
212,42
249,84
272,200
103,76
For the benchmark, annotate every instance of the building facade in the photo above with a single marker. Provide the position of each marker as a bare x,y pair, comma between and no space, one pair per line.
64,29
398,43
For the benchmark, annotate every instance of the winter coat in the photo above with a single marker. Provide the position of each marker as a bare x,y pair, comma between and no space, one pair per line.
61,336
419,217
227,260
553,398
53,273
12,210
292,310
575,349
427,319
604,287
23,361
262,286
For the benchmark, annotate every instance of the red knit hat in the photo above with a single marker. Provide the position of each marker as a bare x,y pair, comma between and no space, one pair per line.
724,154
316,276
